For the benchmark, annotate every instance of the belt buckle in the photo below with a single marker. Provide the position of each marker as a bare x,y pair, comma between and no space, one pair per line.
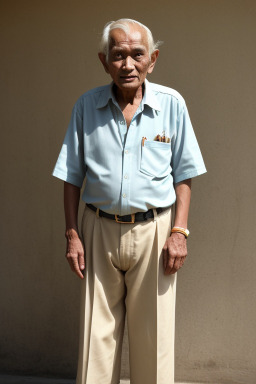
117,219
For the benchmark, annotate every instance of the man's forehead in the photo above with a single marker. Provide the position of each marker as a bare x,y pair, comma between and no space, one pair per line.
134,36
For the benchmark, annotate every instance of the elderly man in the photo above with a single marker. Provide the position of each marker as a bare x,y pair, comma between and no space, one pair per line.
134,143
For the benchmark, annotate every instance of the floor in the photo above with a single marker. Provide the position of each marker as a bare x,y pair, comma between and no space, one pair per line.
8,379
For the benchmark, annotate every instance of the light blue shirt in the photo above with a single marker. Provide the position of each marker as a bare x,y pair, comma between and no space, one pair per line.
124,176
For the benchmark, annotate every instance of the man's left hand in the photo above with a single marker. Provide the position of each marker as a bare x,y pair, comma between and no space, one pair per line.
174,253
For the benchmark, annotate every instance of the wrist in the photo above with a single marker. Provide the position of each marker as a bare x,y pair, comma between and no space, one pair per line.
177,235
71,234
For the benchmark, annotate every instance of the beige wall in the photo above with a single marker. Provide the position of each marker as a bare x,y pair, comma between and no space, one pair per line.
48,59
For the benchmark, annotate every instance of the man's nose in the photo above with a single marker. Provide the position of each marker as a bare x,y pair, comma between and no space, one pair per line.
128,63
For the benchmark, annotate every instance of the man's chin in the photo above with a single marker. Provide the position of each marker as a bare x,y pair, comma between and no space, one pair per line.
135,84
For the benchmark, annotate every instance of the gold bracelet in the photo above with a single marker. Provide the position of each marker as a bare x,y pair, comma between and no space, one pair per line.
184,231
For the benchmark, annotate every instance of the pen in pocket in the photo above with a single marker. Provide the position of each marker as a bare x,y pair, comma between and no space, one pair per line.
163,138
143,141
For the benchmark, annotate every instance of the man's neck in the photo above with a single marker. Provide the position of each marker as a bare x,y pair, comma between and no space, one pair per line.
125,97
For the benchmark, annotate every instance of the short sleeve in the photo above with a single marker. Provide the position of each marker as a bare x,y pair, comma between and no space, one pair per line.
187,160
70,165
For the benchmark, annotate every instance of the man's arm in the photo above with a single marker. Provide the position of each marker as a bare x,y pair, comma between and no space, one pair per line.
75,250
175,248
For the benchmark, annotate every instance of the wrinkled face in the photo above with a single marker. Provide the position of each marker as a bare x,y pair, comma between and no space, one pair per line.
128,60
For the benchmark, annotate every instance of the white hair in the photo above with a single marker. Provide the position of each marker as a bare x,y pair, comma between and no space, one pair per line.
124,24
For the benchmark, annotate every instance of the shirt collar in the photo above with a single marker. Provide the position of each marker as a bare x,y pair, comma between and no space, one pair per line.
149,97
105,96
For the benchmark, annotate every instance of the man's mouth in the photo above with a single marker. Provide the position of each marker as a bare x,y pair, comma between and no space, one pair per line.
128,77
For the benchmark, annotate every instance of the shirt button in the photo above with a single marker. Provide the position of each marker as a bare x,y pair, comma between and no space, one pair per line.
124,195
122,122
126,176
126,151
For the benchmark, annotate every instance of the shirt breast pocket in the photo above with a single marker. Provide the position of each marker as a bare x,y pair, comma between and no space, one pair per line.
155,158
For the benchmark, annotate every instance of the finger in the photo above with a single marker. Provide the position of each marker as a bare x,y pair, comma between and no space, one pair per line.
169,265
81,261
69,259
177,263
76,268
182,261
176,266
73,263
164,258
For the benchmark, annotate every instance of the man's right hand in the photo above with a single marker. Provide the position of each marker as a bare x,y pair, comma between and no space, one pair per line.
75,252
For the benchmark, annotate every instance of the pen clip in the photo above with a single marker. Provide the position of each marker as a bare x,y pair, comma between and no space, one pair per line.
143,141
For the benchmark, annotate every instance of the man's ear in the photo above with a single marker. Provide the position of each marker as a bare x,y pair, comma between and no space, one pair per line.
154,57
102,58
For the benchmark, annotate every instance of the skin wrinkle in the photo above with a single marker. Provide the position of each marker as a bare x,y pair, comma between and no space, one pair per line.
134,61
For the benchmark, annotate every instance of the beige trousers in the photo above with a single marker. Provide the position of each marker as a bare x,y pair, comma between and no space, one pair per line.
124,275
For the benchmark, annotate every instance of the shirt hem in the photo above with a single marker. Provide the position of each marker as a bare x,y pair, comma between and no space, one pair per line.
68,179
189,175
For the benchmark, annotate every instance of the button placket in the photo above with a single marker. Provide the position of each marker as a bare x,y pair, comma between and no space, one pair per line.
127,159
125,192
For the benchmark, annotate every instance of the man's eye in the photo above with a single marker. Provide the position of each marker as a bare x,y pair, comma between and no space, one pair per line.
118,56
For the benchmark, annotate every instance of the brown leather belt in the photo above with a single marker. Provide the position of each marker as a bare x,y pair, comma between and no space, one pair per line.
127,219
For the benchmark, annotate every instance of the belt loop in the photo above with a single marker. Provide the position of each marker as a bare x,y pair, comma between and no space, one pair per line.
155,213
97,213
